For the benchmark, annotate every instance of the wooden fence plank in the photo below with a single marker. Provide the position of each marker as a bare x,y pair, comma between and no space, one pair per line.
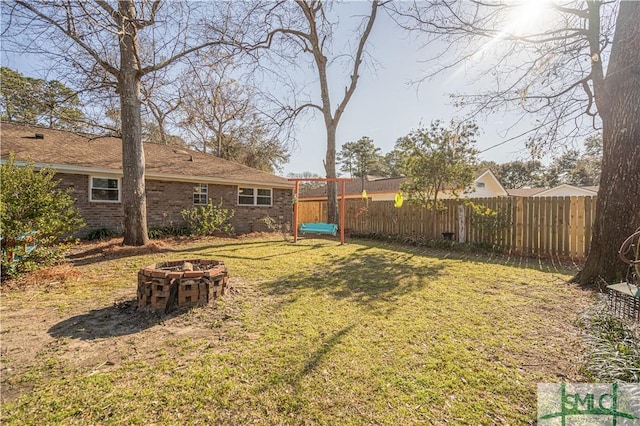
573,227
581,227
537,233
519,223
553,226
529,224
560,226
545,226
507,228
548,225
534,226
588,221
567,226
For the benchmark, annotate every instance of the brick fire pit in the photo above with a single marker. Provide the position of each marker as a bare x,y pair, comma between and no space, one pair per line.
180,283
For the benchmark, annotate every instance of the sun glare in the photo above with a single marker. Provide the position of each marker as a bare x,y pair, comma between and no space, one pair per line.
527,17
521,18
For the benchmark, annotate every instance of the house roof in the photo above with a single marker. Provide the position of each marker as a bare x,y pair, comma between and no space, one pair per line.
540,192
524,192
586,190
354,186
373,185
88,154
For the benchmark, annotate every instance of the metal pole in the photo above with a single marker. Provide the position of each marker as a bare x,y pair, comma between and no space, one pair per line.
295,212
342,214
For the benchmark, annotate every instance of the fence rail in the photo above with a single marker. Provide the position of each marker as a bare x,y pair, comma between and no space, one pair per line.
544,226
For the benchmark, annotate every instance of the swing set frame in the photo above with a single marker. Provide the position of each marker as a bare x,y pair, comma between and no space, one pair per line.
295,205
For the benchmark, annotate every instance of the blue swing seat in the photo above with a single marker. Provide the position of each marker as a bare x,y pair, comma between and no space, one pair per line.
319,228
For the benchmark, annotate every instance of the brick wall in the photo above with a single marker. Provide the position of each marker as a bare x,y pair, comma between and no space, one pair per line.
165,201
247,218
97,215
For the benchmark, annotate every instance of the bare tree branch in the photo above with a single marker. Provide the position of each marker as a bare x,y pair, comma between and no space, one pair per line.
71,34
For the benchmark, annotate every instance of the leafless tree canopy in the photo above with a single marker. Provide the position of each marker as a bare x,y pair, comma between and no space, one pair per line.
79,40
297,37
542,58
114,45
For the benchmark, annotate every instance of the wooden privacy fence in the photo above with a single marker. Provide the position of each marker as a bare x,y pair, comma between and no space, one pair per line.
544,226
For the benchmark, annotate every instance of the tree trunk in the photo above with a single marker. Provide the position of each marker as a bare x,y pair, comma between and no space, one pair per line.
133,164
330,168
618,205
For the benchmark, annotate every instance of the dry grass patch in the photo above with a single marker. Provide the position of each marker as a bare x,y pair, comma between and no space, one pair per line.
43,278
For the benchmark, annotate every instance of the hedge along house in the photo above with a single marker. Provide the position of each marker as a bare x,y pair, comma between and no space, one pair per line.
176,179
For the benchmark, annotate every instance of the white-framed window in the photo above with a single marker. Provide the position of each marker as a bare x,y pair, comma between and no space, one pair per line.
104,190
200,194
479,184
254,196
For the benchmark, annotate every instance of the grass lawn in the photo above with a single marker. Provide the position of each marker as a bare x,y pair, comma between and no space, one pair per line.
311,333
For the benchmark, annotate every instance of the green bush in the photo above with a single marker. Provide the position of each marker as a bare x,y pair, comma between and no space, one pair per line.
274,226
613,345
156,232
99,234
209,219
490,222
31,204
427,243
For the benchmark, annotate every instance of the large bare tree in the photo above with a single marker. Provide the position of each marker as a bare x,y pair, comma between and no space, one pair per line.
575,65
304,28
160,97
122,41
214,104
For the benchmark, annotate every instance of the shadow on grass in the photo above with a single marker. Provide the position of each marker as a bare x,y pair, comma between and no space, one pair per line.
364,278
313,361
319,354
233,246
546,264
92,253
121,319
229,252
114,250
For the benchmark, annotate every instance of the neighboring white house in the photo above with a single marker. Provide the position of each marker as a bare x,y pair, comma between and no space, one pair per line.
564,190
485,184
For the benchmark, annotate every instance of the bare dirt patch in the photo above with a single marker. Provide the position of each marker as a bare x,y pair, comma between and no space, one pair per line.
89,334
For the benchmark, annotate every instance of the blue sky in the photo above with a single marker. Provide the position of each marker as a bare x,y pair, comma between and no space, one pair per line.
386,105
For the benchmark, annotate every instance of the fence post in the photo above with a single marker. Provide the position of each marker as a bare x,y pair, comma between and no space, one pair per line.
462,232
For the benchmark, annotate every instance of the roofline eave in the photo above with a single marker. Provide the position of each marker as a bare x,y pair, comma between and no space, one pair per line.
66,168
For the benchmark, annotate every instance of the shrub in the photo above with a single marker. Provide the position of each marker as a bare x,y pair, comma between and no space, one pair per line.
274,226
490,222
427,243
30,204
156,232
613,346
209,219
99,234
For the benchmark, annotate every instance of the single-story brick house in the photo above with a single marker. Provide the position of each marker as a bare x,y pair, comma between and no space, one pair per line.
176,178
